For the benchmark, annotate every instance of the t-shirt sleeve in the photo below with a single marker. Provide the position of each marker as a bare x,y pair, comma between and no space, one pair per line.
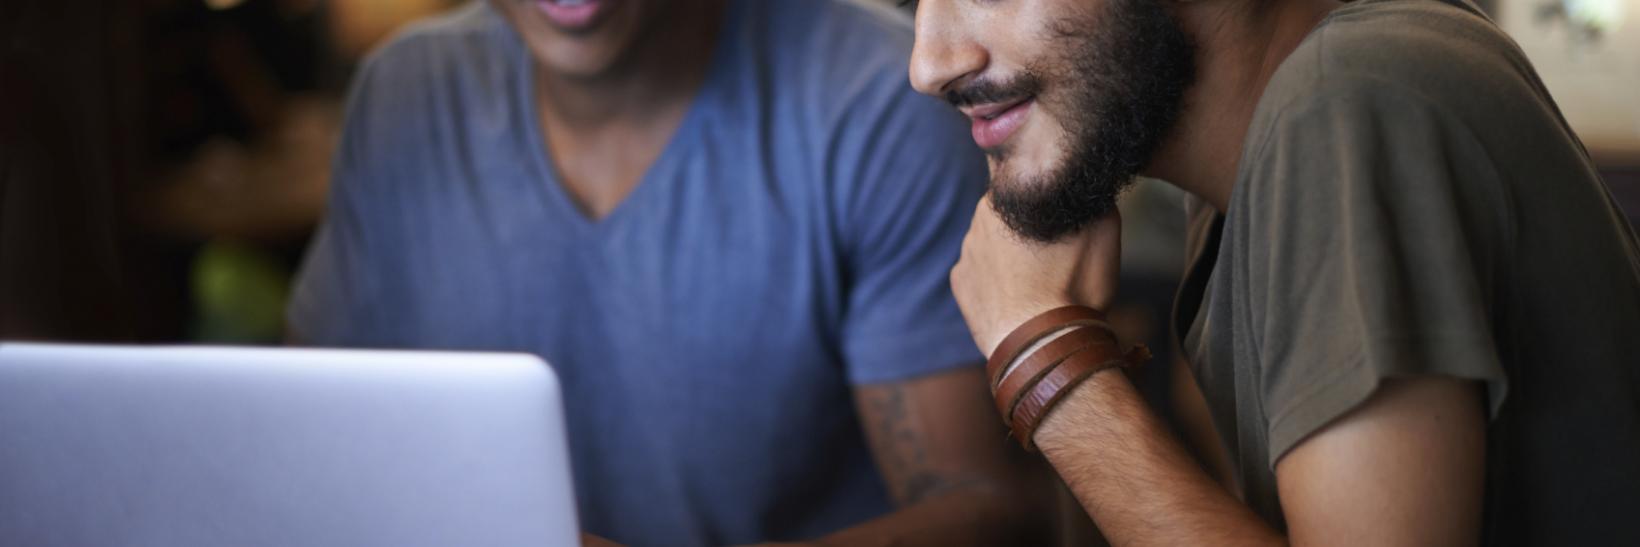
908,181
332,303
335,298
1372,230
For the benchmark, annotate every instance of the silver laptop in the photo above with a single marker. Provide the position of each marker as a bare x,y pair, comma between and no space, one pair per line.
183,447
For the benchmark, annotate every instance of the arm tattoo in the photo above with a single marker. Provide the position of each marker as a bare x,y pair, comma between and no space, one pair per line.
901,448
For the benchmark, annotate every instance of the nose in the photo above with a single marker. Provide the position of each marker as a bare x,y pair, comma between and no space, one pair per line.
944,53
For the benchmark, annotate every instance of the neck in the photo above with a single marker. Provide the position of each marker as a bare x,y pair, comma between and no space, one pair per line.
662,72
1238,50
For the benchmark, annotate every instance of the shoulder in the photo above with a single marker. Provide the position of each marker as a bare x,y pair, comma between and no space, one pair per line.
840,68
836,37
463,55
831,56
864,38
428,84
1385,114
466,35
1436,54
1392,79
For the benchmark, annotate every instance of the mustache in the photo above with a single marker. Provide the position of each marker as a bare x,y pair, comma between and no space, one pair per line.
988,91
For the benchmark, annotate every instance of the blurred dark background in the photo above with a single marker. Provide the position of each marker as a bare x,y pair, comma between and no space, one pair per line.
163,162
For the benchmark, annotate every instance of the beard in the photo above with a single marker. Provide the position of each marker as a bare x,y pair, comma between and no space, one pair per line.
1118,87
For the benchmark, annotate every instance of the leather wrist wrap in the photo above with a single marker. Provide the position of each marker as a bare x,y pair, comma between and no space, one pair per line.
1055,385
1025,396
1035,330
1016,383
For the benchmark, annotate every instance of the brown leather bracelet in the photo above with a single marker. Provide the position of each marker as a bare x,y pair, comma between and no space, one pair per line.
1037,364
1061,380
1034,330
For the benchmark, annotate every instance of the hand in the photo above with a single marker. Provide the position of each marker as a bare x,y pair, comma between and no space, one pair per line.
1003,280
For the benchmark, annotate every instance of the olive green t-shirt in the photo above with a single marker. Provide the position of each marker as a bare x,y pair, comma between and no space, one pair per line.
1410,202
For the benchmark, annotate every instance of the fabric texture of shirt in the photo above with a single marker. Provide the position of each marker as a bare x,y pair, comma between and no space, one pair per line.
1410,202
792,241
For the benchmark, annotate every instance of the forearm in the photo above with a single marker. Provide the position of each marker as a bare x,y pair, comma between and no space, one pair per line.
1134,478
948,467
976,513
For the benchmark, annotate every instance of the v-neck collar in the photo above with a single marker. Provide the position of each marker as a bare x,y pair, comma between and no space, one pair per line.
682,142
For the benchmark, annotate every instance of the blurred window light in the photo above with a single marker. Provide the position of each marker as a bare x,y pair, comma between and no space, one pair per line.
1601,15
1588,55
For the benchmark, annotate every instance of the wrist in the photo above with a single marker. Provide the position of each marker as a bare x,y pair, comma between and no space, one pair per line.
1048,356
1084,406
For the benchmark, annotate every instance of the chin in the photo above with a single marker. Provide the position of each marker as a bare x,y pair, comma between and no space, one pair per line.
1011,177
567,62
583,55
1020,166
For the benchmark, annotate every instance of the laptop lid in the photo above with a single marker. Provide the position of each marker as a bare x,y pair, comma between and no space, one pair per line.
195,446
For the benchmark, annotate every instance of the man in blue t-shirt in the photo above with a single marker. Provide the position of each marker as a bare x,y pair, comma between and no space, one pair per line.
727,224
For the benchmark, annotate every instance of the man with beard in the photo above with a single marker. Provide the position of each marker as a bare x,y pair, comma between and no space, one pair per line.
694,210
1412,306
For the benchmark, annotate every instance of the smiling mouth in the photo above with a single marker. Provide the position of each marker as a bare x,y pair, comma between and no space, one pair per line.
573,15
995,123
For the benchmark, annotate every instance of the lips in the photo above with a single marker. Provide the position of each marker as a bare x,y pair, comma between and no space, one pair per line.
573,15
995,123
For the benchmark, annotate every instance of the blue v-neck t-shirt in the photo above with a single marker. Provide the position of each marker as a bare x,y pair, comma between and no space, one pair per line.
792,241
